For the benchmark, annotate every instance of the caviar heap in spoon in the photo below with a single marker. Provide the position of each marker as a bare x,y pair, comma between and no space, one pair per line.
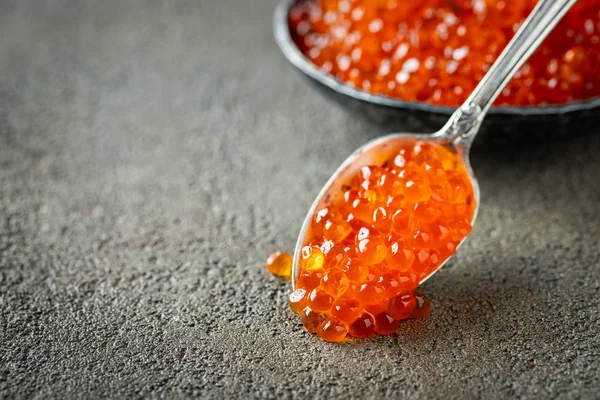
397,209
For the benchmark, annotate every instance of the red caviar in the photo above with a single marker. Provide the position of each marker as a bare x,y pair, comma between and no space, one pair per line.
363,282
280,264
436,51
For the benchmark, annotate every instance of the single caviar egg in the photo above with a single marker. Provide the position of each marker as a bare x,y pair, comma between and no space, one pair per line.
347,309
401,306
385,324
422,306
363,326
333,329
280,264
370,293
311,320
320,301
309,279
312,258
355,270
371,250
362,279
298,301
335,282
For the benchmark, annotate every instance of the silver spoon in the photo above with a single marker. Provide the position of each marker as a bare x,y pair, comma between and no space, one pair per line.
463,125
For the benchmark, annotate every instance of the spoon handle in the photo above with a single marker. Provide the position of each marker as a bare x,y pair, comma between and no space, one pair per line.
465,121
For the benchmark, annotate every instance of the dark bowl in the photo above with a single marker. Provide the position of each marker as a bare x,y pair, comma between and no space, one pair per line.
502,124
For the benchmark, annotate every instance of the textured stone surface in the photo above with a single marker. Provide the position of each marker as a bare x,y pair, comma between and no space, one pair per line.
153,153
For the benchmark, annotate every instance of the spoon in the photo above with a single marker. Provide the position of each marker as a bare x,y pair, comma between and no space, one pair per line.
462,127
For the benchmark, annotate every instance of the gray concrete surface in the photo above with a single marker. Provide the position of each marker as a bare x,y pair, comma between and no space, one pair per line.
153,153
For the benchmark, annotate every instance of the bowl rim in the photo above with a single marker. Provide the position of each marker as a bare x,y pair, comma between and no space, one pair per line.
293,54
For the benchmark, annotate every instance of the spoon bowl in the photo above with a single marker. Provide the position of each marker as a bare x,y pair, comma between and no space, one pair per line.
376,152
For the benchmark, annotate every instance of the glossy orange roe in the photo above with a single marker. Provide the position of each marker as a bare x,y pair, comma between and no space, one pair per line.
436,51
280,264
370,246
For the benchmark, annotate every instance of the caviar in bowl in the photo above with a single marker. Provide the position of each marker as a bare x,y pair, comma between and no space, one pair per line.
525,119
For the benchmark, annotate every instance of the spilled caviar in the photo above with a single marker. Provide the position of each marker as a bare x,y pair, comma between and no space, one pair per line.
280,264
436,51
370,245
